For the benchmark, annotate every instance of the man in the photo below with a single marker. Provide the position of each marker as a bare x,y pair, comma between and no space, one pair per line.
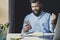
37,21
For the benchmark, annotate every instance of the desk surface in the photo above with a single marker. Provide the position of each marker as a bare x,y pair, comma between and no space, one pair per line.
16,35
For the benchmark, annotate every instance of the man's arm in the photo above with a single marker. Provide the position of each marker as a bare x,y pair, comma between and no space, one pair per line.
26,25
50,25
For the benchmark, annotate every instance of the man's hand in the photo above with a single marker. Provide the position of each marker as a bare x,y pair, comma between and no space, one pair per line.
27,27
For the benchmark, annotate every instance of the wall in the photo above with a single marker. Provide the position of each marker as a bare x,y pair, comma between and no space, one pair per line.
3,11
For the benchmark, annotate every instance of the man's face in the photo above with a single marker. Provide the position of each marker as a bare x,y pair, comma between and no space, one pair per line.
36,7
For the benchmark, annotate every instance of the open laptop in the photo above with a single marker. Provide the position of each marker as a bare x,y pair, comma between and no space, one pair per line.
57,30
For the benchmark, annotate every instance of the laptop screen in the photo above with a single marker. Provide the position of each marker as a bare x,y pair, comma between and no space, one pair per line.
57,30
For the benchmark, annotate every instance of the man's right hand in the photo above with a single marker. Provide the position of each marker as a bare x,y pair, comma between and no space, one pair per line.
27,27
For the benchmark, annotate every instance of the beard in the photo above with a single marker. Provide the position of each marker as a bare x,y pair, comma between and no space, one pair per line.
36,12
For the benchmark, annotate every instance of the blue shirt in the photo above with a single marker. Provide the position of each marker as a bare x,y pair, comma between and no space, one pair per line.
39,23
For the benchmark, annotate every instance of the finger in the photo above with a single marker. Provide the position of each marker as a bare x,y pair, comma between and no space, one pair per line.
26,24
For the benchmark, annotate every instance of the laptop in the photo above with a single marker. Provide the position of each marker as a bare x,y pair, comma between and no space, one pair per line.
57,30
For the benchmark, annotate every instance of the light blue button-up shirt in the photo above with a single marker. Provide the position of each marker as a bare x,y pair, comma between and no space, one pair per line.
39,23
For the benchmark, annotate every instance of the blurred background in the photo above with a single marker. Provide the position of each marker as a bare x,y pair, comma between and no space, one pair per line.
3,11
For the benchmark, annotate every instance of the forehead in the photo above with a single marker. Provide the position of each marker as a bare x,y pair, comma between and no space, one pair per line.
35,3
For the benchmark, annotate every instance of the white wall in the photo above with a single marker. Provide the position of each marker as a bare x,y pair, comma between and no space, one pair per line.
3,11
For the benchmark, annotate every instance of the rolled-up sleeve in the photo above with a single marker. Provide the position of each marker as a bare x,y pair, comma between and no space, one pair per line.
26,19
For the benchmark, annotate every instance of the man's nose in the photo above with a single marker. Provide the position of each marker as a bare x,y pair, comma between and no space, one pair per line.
34,8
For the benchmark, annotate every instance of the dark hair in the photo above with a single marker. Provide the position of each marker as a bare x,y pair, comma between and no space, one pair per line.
33,1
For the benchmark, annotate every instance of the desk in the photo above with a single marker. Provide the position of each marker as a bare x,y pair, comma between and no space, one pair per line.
17,35
13,35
